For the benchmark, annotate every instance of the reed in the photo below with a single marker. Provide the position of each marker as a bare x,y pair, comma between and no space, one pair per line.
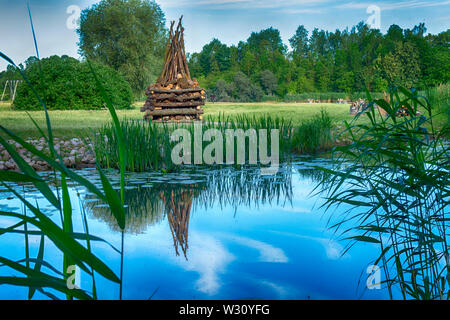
313,136
439,98
149,145
394,178
63,235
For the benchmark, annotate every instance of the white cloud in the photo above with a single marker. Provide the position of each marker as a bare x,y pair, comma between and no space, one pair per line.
299,11
281,291
229,4
391,5
332,248
267,252
209,258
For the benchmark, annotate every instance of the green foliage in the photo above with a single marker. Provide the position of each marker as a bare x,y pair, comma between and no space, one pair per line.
269,82
245,89
439,98
395,180
62,236
127,35
313,136
68,84
401,67
222,92
148,145
347,61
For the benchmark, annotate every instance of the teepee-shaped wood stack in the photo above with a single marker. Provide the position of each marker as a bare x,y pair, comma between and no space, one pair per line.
175,96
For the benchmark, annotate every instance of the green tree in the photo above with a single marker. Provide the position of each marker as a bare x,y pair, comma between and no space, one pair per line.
343,61
245,90
269,82
127,35
299,42
68,84
401,67
222,91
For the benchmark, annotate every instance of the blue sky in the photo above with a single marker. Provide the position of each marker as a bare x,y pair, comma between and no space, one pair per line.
228,20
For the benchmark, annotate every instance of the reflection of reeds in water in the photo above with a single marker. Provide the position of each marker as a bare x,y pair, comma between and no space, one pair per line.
149,206
224,187
313,174
230,187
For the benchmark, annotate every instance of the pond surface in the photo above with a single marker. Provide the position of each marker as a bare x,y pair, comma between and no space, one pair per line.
209,234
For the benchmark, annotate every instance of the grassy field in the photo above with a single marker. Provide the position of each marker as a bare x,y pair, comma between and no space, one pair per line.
297,112
80,122
77,123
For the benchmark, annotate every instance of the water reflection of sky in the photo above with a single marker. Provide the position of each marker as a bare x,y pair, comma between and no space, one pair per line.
265,249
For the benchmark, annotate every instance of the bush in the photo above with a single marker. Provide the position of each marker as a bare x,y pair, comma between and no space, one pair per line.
68,84
222,92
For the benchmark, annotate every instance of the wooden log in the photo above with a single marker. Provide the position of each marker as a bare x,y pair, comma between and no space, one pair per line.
175,112
153,104
186,104
174,97
179,91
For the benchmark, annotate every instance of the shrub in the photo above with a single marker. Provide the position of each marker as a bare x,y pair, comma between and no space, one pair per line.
68,84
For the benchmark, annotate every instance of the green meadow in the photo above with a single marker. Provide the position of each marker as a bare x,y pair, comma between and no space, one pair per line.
78,122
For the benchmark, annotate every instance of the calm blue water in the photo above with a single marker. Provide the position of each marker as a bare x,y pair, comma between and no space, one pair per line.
211,234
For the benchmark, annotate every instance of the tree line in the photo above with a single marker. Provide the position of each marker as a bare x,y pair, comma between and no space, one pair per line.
321,61
130,36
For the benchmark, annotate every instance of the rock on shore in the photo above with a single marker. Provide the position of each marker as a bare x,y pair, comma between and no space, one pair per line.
75,152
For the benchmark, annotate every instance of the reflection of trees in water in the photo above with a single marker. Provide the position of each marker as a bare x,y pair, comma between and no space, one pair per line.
150,205
144,208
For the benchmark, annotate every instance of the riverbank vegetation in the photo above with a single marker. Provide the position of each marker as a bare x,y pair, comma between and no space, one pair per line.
395,179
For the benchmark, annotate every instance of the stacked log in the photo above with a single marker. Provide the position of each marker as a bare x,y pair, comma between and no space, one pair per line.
175,96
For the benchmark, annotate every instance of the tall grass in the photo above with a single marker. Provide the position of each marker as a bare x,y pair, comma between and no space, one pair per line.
313,136
149,145
63,235
395,177
439,98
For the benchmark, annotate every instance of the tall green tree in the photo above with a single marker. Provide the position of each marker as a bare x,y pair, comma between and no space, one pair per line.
341,61
269,82
127,35
299,42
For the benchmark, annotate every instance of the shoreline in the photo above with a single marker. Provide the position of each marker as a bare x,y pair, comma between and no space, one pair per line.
74,152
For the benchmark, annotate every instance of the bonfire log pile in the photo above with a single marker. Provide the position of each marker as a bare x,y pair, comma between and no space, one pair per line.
175,96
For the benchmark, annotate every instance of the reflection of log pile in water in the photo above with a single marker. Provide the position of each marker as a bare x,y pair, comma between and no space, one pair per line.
149,206
178,205
224,187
